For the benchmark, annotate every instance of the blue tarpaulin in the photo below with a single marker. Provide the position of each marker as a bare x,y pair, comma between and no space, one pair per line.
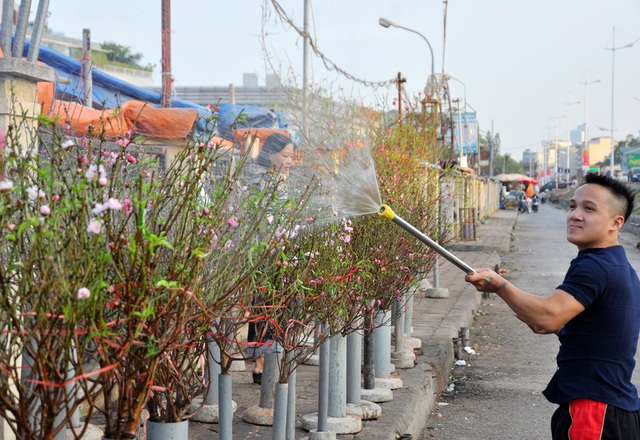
110,92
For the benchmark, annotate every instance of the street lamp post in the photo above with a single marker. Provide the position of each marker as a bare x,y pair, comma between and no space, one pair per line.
386,23
569,104
586,118
306,66
613,49
448,77
461,154
556,162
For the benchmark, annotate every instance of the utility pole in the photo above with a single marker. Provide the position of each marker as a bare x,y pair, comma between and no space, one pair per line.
491,150
400,81
585,145
87,65
459,126
166,54
306,63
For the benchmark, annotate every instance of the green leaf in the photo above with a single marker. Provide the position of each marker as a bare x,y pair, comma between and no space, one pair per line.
167,284
29,223
199,253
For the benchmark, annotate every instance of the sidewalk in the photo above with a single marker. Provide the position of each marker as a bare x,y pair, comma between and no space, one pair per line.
436,322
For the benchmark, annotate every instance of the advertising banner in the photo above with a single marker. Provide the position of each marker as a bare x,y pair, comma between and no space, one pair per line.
469,133
633,160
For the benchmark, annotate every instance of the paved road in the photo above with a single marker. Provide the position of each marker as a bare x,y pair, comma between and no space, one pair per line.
497,395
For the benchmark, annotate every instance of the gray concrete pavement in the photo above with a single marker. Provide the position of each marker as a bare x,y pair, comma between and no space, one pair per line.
436,322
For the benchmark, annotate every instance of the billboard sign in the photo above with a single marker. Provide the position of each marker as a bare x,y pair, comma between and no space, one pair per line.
469,133
633,160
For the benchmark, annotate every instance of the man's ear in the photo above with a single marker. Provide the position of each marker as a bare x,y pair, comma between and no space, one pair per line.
618,221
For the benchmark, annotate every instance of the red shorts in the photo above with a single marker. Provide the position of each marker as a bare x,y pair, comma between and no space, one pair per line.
584,419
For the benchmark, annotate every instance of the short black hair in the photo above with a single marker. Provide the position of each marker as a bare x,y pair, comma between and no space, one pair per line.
620,191
275,143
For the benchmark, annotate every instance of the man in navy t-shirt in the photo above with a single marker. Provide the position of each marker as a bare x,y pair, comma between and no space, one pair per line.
596,314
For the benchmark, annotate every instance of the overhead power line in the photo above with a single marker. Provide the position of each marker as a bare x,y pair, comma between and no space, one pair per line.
328,63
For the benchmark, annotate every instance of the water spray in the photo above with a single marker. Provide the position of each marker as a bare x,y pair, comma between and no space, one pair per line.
386,212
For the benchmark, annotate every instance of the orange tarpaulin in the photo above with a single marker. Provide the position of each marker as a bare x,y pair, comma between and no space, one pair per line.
80,118
141,118
46,95
163,123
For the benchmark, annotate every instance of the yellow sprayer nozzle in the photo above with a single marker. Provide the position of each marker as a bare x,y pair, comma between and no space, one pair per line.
386,212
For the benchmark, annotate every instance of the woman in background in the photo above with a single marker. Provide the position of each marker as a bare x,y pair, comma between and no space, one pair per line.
276,155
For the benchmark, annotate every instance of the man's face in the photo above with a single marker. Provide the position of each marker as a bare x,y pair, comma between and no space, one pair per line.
592,222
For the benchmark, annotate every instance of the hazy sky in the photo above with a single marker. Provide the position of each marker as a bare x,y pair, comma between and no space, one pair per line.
522,62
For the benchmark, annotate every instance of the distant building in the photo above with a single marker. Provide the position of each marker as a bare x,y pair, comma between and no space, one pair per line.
72,47
250,93
531,162
599,149
250,79
577,134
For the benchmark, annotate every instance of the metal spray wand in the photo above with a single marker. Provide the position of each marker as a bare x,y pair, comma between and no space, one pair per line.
386,212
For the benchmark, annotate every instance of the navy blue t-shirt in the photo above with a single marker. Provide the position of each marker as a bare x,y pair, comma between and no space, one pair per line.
597,347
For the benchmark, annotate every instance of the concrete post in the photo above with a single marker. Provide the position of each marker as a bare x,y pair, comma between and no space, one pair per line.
18,102
19,96
382,347
337,378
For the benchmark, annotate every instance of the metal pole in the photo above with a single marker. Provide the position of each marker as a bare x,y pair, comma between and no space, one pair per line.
408,316
354,366
269,378
280,411
87,65
166,53
384,211
291,405
386,23
369,381
225,407
459,134
399,325
305,65
21,29
613,49
569,143
213,372
399,96
337,378
555,160
613,79
323,381
491,151
7,27
382,336
72,390
36,34
436,260
232,93
586,118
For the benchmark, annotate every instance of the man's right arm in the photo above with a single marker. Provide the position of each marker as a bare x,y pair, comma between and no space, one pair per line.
542,314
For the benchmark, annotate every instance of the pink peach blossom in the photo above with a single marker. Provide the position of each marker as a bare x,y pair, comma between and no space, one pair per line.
83,293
